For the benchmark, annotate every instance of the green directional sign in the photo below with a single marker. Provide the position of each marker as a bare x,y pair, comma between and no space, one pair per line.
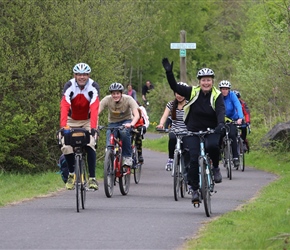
182,52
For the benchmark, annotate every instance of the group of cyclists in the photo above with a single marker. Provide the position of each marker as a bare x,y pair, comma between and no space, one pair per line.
80,106
195,108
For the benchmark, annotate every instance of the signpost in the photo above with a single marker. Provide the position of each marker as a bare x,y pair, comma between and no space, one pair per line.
182,46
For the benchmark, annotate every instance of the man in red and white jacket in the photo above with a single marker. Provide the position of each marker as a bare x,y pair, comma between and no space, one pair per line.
79,109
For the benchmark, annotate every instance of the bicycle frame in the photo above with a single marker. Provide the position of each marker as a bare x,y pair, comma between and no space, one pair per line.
178,170
81,136
206,180
113,168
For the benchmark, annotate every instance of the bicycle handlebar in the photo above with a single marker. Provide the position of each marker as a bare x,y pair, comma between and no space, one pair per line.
203,133
100,127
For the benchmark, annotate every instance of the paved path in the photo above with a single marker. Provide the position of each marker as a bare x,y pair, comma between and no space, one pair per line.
147,218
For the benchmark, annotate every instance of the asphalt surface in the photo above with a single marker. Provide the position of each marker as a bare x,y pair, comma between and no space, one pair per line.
147,218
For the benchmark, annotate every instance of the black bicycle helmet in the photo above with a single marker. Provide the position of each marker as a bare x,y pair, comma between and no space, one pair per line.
115,86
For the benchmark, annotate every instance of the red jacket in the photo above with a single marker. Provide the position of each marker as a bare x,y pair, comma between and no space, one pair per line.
80,104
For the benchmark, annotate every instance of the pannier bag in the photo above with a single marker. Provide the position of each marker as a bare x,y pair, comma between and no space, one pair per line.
77,137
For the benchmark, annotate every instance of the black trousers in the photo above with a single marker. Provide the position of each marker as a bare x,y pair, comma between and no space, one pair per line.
212,147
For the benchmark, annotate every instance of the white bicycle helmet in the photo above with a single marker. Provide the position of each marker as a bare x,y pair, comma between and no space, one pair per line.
238,94
115,86
205,72
183,84
82,68
225,84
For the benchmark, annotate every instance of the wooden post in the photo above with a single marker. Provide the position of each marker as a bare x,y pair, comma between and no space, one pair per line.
183,77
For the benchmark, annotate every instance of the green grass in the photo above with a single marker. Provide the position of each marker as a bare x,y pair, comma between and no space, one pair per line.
18,187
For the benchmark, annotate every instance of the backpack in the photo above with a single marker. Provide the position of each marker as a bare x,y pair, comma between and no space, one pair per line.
144,119
63,168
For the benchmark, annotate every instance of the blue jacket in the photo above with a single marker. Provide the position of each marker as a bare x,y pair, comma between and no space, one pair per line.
233,106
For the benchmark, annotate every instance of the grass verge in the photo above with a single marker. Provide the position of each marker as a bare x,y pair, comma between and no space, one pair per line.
15,188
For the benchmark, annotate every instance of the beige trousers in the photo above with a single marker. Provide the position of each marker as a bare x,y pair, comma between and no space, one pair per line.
78,124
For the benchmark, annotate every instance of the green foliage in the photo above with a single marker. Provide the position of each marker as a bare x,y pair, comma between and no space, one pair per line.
37,58
246,42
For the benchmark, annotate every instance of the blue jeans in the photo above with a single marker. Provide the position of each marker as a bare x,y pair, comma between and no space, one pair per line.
125,137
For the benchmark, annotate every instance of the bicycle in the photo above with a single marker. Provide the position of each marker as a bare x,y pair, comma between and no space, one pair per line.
226,152
78,138
240,143
179,170
206,178
136,165
114,171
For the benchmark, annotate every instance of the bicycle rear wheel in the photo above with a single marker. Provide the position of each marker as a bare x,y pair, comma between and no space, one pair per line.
109,173
176,175
137,173
83,183
205,187
77,182
124,180
242,154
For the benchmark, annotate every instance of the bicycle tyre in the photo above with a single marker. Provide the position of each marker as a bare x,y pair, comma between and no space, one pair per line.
137,173
176,176
204,187
222,155
137,167
124,181
242,155
77,182
229,159
83,183
183,187
109,173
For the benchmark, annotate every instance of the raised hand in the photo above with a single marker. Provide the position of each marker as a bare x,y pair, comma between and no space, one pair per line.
166,65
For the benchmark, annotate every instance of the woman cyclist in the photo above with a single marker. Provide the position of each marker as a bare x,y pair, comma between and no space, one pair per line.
233,112
175,110
205,109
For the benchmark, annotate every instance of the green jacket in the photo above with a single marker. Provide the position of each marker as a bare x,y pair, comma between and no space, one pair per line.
194,95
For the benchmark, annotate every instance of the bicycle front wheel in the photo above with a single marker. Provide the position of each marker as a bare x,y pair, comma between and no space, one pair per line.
204,186
229,159
176,175
83,183
77,182
109,173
